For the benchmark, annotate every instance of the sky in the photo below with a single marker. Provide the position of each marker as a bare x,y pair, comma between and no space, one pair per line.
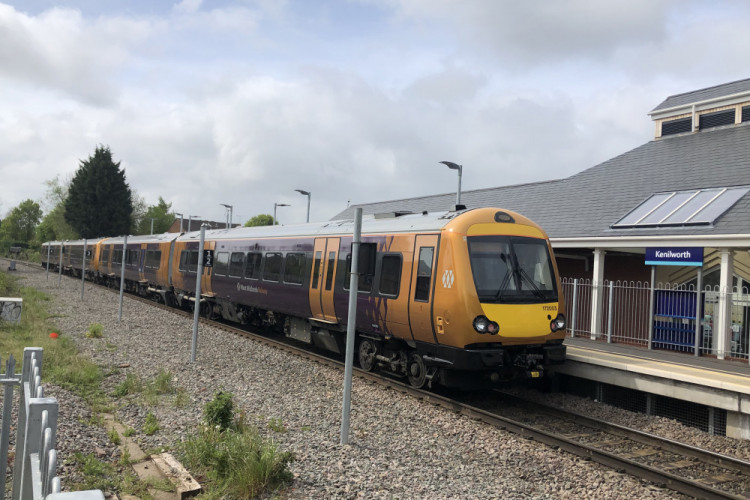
240,103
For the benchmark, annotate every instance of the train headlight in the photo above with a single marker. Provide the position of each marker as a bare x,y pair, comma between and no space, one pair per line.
481,324
484,325
558,323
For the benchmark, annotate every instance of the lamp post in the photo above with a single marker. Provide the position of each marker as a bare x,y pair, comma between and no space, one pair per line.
190,219
152,224
180,221
306,193
455,166
230,208
274,210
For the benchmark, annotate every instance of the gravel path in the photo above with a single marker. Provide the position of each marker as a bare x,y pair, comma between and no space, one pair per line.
400,447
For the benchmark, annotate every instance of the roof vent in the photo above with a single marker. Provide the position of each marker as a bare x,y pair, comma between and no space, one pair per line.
716,119
393,215
676,126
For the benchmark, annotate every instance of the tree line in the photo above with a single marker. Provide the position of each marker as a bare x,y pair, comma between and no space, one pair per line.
96,202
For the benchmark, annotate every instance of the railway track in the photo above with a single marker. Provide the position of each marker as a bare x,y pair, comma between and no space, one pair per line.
683,468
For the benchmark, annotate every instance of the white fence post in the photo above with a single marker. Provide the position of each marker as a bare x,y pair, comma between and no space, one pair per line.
573,310
29,355
35,462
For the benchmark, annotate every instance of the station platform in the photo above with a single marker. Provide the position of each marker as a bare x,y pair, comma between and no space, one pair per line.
722,384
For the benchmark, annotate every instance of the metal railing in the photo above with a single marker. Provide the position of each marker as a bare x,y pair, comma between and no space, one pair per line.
35,459
664,316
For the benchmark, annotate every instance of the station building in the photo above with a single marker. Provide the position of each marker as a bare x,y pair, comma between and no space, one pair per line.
653,245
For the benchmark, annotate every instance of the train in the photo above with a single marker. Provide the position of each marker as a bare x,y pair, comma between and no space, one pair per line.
462,299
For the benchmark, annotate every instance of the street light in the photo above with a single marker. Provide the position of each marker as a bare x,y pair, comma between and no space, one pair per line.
190,219
274,210
180,221
228,207
455,166
306,193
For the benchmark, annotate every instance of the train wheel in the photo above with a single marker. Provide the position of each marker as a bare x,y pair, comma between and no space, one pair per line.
416,371
367,352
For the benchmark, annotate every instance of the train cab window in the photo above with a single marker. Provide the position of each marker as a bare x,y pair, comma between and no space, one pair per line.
221,263
424,274
294,268
252,270
390,275
236,264
104,257
316,270
365,281
331,269
272,267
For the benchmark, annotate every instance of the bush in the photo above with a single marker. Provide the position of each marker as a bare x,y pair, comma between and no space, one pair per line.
236,463
219,412
95,331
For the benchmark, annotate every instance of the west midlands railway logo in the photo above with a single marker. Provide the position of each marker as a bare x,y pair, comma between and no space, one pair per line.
448,279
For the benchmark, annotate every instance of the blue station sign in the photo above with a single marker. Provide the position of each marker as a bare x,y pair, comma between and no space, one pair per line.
671,256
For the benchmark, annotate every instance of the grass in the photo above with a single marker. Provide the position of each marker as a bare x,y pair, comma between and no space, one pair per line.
114,436
95,331
228,458
131,385
233,461
151,425
276,425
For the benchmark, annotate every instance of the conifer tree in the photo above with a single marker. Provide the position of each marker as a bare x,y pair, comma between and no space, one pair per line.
99,201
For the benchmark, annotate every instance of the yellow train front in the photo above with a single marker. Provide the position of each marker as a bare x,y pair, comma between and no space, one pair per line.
482,304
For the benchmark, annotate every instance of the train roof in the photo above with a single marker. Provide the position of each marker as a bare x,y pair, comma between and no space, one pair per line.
144,238
389,223
89,241
395,222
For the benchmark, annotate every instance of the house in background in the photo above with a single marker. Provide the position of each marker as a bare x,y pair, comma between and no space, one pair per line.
686,190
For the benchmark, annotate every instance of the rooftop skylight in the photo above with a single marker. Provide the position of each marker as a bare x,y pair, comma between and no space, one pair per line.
682,208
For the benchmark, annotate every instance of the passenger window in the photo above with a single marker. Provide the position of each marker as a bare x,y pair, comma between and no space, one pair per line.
331,268
316,270
236,264
117,257
192,261
294,268
272,269
221,264
424,274
252,270
153,259
365,282
390,274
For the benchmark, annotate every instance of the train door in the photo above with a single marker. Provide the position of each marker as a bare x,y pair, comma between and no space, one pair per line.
325,262
422,285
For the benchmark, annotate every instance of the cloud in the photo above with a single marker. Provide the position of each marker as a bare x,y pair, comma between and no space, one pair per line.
530,34
61,51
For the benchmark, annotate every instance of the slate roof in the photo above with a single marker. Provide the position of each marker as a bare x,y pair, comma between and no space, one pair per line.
585,205
723,90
